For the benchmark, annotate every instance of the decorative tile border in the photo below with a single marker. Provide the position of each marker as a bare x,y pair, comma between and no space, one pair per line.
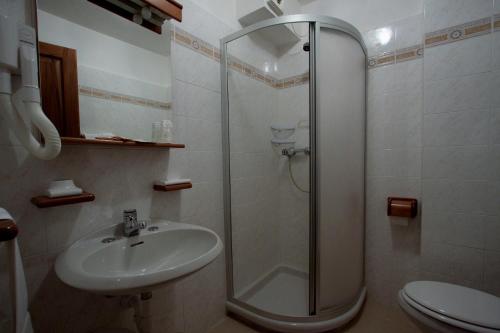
257,74
122,98
409,53
196,44
448,35
458,32
400,55
444,36
204,48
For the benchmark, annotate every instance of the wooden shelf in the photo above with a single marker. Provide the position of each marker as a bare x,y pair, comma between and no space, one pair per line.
44,201
81,141
176,187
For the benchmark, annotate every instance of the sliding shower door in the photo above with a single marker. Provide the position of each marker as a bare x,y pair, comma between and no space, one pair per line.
293,102
269,169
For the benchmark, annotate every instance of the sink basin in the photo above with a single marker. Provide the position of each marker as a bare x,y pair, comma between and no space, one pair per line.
106,262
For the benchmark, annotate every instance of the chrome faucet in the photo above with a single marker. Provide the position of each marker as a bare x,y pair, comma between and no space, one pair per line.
291,152
131,227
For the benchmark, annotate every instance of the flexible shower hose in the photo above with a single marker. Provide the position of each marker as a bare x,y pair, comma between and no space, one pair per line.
292,178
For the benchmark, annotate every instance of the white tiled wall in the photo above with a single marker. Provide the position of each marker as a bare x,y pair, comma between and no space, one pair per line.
269,216
106,115
365,15
448,13
432,135
254,195
460,215
120,179
293,108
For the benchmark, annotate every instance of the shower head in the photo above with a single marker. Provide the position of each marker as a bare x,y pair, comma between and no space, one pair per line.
306,47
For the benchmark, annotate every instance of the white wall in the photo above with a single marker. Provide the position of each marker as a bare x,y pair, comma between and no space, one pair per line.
225,10
254,180
270,216
430,125
104,52
365,14
293,108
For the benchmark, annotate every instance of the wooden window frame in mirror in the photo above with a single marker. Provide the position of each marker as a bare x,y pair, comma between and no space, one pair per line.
170,8
59,87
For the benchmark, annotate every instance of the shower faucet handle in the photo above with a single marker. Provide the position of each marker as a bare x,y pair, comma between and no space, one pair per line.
291,152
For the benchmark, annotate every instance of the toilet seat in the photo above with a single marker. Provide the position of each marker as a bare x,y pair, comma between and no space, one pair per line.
454,305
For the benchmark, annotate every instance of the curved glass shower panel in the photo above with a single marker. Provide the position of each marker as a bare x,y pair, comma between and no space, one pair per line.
340,168
268,120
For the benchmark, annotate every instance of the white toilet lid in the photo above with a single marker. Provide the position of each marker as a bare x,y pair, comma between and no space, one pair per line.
457,302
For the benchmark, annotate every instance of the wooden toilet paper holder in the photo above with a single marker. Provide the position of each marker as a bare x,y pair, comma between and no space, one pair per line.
402,207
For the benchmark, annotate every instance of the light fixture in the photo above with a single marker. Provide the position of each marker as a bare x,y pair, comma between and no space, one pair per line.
383,35
146,13
267,67
137,18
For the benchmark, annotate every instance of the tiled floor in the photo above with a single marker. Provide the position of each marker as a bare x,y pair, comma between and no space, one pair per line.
374,318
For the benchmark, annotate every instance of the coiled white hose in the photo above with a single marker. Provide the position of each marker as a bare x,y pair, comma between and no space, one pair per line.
52,145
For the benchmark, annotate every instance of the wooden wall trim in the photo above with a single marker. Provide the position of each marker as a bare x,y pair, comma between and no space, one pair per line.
170,7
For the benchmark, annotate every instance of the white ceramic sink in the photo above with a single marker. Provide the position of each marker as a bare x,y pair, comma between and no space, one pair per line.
162,252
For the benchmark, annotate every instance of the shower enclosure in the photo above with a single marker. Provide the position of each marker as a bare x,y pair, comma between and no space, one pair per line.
293,101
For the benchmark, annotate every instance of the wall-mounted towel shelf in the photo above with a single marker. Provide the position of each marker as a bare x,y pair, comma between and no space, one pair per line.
100,142
44,201
175,187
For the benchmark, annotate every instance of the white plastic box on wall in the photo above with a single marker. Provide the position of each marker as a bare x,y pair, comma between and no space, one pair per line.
252,11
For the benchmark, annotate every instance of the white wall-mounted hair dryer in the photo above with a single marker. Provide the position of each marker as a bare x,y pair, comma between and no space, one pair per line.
22,109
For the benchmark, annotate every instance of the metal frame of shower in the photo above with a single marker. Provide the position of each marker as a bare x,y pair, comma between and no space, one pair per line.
316,22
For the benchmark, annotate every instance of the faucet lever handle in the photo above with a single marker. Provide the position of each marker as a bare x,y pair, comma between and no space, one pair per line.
130,216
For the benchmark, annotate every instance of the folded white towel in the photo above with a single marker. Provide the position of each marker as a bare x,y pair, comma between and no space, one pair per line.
63,192
172,182
98,135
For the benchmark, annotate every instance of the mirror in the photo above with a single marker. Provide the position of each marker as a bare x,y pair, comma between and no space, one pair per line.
103,75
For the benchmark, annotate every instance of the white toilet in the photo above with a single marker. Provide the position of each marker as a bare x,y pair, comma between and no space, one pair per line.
449,308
